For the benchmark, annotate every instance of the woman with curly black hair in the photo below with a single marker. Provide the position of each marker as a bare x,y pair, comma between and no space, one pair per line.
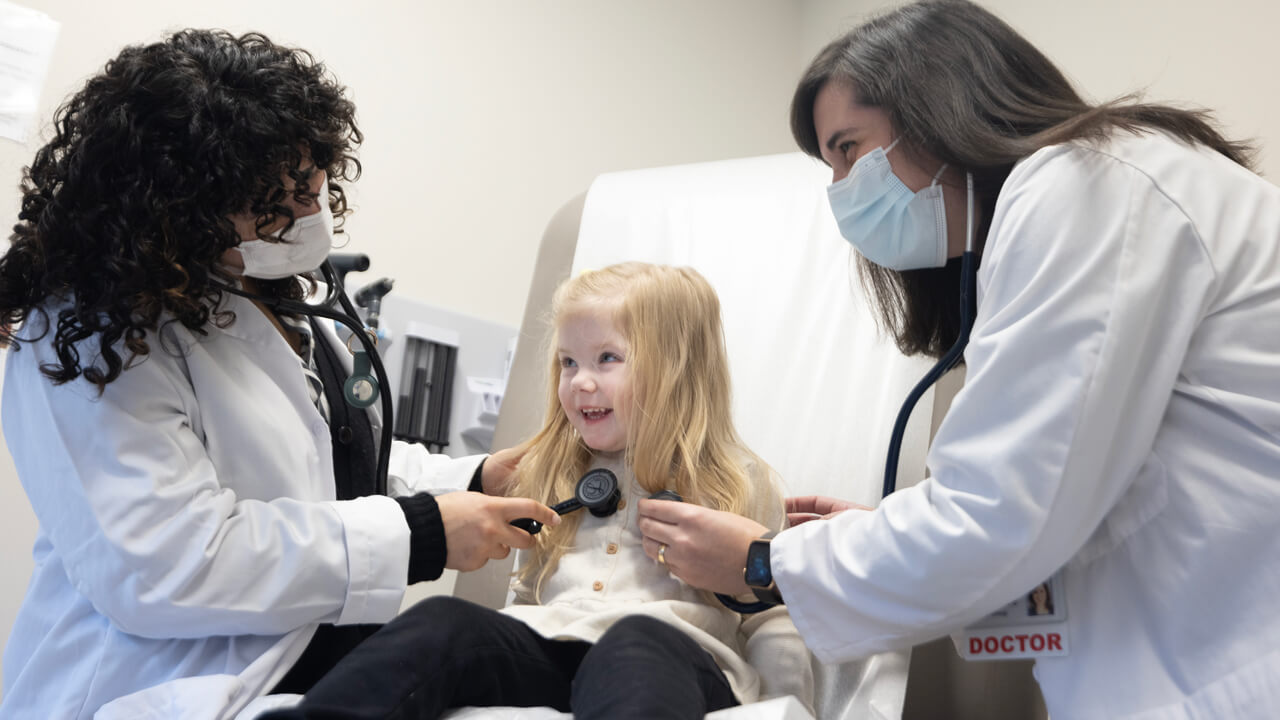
206,529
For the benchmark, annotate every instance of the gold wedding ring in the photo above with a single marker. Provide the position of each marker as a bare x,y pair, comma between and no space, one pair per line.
662,554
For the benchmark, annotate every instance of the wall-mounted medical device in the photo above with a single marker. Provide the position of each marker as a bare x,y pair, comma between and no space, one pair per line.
424,398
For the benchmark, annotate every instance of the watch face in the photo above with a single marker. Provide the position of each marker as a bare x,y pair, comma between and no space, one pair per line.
758,572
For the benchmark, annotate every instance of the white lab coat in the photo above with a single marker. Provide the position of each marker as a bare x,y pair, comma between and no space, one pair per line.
1121,417
189,539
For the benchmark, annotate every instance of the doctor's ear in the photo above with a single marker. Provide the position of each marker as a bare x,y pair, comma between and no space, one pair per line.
233,261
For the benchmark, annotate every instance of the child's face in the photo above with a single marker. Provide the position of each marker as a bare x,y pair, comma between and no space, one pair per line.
595,386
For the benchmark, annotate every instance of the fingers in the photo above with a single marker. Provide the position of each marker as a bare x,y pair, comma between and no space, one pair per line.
656,521
659,552
650,548
657,531
803,504
797,518
477,527
655,534
668,511
514,508
820,505
496,474
513,537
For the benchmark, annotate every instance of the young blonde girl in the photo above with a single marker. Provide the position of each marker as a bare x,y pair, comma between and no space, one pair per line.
639,385
680,431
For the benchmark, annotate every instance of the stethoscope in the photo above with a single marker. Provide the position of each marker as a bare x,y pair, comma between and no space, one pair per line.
968,308
598,492
368,376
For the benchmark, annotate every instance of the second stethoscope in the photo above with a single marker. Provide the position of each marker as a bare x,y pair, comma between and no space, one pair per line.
953,356
368,376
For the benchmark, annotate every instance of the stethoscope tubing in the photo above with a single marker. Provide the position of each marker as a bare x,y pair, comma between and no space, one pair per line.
953,356
351,320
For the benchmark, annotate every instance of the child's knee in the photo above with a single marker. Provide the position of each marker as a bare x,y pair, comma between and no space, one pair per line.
438,606
639,634
444,615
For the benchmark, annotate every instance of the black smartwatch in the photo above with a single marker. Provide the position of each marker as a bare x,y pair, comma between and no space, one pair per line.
758,574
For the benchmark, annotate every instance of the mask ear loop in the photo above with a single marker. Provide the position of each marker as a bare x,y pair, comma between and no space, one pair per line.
938,175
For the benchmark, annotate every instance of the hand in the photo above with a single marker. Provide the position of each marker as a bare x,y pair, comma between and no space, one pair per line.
705,548
496,474
477,527
817,507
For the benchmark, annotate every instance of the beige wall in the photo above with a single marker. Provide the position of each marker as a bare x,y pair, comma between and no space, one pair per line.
483,116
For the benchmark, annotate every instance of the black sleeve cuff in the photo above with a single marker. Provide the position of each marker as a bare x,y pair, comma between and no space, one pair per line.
477,483
427,549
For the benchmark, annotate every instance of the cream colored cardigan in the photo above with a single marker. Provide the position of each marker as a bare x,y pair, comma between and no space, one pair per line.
606,576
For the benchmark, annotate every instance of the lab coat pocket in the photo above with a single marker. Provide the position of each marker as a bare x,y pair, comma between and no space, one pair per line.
1146,497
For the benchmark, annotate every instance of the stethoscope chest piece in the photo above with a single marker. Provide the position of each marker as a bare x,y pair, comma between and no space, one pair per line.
361,389
598,492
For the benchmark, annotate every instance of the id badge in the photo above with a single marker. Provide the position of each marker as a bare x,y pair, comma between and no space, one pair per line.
1032,626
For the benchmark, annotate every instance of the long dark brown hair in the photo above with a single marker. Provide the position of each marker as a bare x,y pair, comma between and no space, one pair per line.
960,84
126,210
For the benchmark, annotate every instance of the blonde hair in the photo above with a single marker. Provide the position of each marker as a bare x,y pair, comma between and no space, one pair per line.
680,435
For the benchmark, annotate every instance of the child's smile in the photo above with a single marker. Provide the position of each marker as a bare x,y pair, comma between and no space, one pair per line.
594,379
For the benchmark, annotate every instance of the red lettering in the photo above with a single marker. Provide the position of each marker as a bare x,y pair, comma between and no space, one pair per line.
998,644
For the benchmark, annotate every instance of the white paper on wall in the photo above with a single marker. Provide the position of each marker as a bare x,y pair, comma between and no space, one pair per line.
26,45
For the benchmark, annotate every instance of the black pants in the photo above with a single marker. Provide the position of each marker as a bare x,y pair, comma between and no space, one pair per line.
446,653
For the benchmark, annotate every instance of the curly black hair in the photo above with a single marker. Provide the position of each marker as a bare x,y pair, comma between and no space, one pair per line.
126,211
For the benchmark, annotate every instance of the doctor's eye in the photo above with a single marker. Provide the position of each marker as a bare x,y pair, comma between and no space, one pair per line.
844,147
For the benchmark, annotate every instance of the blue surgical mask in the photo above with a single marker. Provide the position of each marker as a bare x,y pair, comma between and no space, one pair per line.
890,225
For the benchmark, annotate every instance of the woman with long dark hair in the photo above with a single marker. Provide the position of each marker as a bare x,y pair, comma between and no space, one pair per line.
207,529
1120,420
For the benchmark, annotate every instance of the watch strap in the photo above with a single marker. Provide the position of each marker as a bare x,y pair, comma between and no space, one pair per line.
765,593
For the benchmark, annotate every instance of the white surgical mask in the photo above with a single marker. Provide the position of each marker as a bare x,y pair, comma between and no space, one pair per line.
890,225
304,246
